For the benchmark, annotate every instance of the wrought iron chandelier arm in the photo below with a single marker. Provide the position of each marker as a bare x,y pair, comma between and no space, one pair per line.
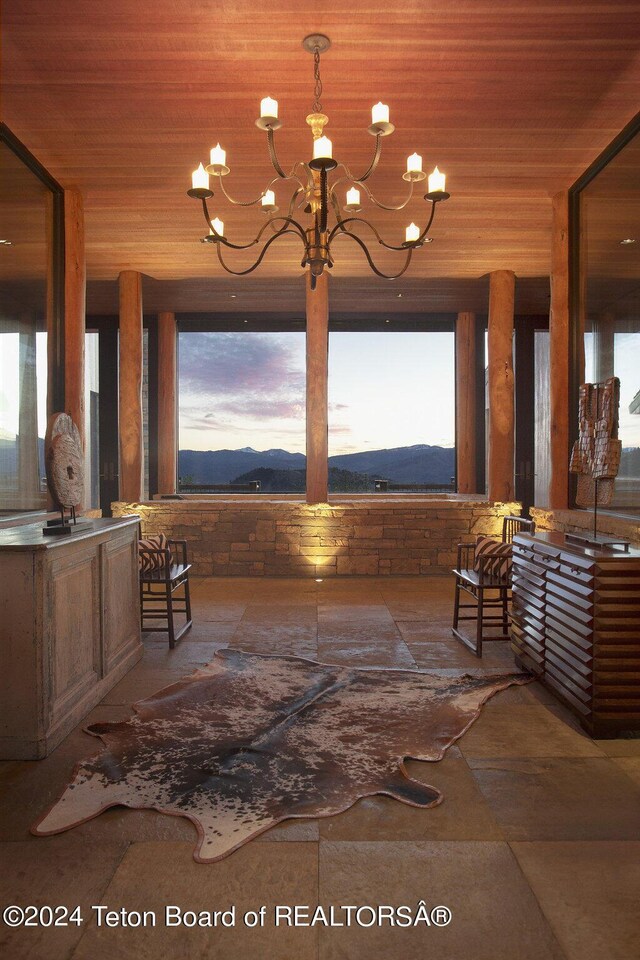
244,246
429,222
340,228
220,239
374,163
245,203
388,206
254,266
336,209
379,273
378,203
273,155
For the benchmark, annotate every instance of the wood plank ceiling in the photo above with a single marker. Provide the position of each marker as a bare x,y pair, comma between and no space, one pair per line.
511,99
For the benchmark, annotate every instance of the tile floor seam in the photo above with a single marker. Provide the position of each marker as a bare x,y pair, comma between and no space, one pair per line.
548,919
108,883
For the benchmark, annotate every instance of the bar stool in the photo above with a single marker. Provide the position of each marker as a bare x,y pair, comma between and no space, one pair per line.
164,569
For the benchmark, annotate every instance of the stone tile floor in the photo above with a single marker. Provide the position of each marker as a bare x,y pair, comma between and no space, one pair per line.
535,849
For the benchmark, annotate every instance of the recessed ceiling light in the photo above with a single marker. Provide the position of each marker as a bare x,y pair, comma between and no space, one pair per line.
628,241
246,321
398,295
233,295
5,243
387,321
318,580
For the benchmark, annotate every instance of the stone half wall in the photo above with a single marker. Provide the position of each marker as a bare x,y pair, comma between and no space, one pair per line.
581,521
260,537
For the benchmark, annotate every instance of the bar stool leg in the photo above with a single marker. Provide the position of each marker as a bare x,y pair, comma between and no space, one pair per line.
479,622
172,634
456,605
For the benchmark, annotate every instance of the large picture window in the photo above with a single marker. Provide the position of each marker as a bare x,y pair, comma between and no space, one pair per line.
391,410
242,410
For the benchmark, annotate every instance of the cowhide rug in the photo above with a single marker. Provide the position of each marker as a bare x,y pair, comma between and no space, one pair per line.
251,740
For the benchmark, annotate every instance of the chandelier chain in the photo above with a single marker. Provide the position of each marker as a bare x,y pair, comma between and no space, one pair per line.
317,91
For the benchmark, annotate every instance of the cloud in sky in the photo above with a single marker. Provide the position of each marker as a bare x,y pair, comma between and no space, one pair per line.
237,364
242,388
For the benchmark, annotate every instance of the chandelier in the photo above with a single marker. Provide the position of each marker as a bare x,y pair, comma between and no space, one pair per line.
312,193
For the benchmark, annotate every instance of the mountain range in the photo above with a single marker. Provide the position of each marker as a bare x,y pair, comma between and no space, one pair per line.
420,463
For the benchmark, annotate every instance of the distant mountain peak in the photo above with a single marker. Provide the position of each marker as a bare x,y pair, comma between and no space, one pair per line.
247,450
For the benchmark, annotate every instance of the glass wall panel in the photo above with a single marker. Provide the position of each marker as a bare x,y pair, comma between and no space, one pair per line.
23,339
391,409
242,410
609,210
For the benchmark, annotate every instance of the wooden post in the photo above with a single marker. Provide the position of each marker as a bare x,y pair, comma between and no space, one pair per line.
167,409
559,354
466,403
501,397
75,282
130,387
317,379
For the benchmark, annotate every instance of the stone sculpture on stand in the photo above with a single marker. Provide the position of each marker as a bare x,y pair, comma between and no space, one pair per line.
64,463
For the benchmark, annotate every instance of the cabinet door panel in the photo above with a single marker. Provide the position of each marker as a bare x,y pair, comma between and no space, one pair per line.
121,598
74,617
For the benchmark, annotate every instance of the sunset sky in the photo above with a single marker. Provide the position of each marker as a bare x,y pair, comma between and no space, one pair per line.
247,390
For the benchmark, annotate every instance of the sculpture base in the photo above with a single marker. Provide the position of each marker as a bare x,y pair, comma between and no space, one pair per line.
602,543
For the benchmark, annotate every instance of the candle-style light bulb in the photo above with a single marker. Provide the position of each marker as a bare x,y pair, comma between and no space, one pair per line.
269,199
412,233
353,197
218,156
322,149
218,227
379,113
414,163
436,181
200,179
269,108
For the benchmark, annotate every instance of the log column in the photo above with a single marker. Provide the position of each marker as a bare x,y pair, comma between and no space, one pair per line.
130,387
167,406
466,403
559,354
501,395
75,282
317,398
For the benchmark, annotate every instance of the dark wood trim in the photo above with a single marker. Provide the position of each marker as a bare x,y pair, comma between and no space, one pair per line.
235,322
151,324
481,431
623,138
107,329
285,322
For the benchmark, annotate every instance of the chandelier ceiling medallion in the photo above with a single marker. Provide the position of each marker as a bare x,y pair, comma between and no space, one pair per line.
313,194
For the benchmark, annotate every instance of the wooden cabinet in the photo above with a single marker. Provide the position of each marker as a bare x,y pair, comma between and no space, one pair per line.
576,626
69,628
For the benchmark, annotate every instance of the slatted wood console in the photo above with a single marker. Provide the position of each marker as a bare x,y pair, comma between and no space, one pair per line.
576,626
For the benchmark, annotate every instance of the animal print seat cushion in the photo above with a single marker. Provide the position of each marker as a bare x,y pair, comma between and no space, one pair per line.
499,564
148,562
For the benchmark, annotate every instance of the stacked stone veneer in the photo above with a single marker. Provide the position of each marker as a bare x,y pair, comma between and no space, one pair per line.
262,537
581,521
